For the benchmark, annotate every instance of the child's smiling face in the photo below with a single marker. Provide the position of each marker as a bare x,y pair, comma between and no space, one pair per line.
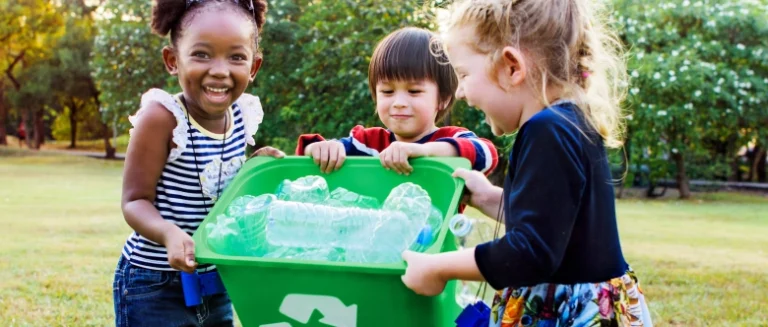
407,108
214,60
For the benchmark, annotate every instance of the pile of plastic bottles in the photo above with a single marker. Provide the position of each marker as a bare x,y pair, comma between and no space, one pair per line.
304,220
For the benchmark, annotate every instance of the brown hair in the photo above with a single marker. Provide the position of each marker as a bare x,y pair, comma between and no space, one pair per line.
406,55
170,16
568,45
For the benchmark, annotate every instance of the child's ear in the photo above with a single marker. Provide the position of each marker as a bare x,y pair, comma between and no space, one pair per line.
171,60
513,68
255,66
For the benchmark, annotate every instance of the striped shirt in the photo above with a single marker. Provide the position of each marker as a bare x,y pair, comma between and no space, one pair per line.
371,141
188,186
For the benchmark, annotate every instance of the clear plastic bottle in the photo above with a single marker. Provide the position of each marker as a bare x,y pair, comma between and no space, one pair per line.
469,233
341,197
308,225
224,236
429,232
309,189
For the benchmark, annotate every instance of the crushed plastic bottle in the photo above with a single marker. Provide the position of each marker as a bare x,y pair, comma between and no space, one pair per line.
252,221
469,233
309,189
341,197
410,199
393,236
237,206
224,236
428,233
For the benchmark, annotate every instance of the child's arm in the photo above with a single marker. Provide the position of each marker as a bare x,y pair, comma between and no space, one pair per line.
451,142
147,153
542,206
428,274
480,152
330,155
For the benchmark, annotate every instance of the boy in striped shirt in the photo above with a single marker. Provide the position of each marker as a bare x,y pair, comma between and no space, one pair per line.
413,89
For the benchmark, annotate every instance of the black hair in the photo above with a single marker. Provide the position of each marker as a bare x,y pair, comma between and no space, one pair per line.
407,55
170,16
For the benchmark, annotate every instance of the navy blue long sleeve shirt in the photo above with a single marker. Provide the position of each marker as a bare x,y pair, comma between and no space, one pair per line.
559,207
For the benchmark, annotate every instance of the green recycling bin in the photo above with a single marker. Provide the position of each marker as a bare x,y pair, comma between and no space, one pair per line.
284,293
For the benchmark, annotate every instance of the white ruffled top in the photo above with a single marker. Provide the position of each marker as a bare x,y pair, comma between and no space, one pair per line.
249,105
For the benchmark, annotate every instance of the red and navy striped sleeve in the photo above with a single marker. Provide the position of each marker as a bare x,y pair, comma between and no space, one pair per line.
366,141
360,142
479,151
305,140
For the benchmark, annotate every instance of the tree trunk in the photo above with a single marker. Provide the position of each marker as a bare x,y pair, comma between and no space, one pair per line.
753,157
73,125
735,169
682,177
39,129
759,165
110,151
3,118
27,127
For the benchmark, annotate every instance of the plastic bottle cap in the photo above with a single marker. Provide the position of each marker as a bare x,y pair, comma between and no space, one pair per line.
460,225
425,236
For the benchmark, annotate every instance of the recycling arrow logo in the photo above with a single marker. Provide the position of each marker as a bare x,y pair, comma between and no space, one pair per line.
300,307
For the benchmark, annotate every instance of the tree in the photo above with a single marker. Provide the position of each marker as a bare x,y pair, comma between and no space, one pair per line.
126,60
698,78
25,26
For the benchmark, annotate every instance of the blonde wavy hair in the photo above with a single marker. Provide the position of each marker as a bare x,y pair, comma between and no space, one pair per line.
567,43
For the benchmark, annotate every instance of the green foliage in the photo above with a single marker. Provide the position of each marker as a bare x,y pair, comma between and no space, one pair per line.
126,59
699,81
316,55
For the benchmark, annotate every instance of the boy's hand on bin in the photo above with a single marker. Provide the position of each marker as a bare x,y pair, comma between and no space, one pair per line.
181,250
396,156
330,155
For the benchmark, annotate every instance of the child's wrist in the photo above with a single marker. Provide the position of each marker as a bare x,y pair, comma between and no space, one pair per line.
490,197
168,233
438,149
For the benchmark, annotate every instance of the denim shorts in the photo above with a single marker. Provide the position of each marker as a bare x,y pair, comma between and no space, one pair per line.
145,297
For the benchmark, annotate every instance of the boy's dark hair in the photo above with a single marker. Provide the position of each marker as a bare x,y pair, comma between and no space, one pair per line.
170,16
407,55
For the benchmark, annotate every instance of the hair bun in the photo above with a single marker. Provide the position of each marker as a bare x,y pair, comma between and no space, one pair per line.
260,13
166,14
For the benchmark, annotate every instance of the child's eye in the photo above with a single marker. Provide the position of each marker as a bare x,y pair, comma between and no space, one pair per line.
414,91
201,55
239,58
387,91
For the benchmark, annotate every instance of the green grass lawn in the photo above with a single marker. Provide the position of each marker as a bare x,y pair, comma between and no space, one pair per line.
701,262
81,145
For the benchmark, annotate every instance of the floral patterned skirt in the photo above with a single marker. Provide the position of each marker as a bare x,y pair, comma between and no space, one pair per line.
618,302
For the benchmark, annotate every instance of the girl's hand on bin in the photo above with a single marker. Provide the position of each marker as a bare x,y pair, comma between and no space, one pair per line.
330,155
422,274
480,188
181,250
268,151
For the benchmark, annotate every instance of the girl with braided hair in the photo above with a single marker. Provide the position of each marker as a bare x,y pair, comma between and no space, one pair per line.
184,150
551,72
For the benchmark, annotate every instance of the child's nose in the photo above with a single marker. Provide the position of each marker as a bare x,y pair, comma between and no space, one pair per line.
219,68
400,101
460,92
